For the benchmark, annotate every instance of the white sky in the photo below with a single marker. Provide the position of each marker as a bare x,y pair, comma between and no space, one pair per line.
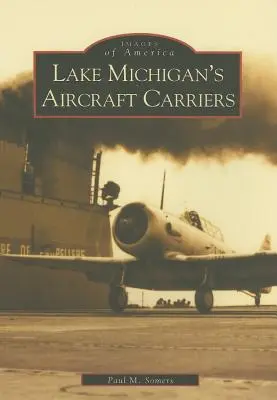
240,197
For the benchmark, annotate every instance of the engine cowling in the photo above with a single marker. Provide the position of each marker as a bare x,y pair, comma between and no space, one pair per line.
135,230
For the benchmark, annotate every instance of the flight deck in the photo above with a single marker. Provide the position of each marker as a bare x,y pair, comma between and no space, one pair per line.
233,350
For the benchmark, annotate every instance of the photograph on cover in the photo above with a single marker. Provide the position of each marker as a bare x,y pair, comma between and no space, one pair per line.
138,212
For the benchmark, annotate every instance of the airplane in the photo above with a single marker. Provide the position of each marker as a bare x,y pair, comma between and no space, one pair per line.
166,252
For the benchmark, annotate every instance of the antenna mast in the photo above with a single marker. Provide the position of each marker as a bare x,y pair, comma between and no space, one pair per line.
163,189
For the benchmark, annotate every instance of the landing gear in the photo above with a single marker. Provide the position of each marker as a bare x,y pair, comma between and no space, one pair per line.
118,299
204,300
257,300
255,295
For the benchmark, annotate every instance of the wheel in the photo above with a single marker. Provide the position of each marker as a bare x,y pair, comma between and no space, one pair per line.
257,300
204,300
118,299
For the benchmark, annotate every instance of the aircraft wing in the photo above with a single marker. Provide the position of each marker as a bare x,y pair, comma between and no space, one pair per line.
245,269
99,269
234,260
175,271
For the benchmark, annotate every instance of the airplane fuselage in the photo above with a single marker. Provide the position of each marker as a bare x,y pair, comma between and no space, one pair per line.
162,233
150,235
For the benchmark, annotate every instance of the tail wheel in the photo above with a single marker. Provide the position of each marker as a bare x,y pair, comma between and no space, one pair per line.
204,300
118,299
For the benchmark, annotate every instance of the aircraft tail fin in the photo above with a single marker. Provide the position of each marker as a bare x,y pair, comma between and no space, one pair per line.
266,243
266,246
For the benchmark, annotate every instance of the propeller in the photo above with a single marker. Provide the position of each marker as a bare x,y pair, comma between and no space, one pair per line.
131,224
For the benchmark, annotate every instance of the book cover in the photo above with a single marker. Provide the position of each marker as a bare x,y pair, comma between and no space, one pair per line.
138,159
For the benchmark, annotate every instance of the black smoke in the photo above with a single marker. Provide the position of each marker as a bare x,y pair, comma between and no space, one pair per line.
219,139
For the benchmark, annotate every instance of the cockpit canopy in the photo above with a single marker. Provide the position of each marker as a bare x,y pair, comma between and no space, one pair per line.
193,218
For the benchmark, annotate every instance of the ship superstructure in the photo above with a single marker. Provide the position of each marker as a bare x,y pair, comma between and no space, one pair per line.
49,186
